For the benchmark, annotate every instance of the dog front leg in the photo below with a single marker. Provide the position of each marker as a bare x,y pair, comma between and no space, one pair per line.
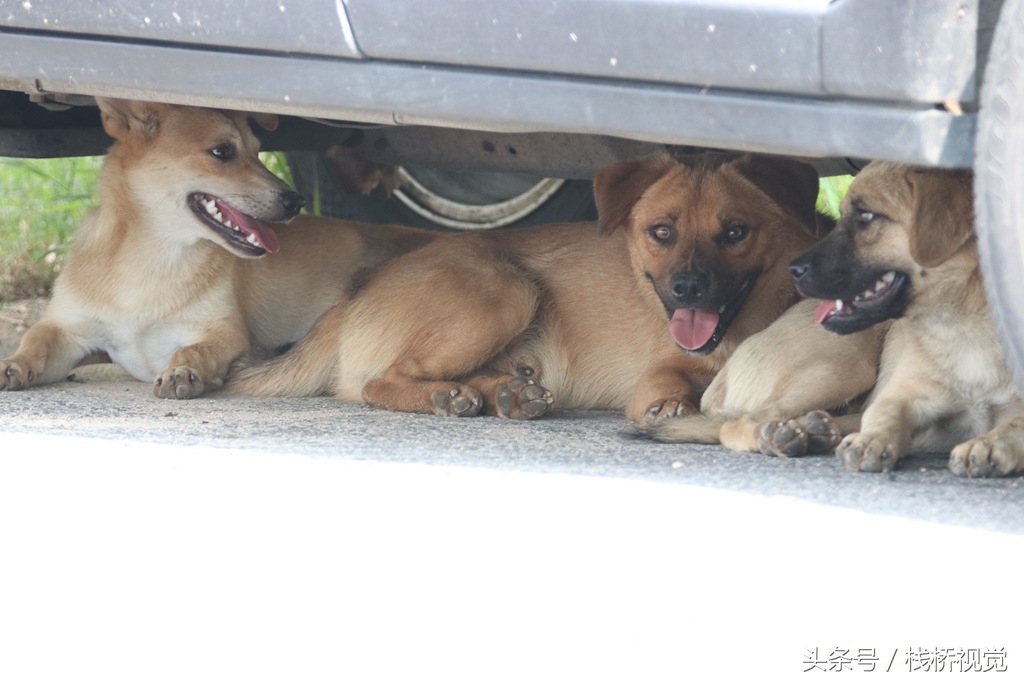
202,366
997,453
47,353
663,392
884,437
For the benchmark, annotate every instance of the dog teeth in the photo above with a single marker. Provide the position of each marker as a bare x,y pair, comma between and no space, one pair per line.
721,309
839,304
210,205
215,214
879,285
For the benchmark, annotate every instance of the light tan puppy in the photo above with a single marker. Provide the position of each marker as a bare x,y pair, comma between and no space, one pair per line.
691,260
903,251
165,276
793,368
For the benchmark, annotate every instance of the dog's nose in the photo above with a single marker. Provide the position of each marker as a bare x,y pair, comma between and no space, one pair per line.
688,288
292,203
798,270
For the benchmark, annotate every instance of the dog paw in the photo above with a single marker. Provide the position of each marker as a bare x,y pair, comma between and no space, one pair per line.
179,382
458,401
786,439
809,434
866,453
986,456
522,399
659,411
15,376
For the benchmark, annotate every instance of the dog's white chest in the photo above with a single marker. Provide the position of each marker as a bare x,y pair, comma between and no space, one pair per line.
146,353
974,368
141,336
976,379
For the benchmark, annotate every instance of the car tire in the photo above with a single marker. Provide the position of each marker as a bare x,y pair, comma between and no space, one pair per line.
999,182
541,200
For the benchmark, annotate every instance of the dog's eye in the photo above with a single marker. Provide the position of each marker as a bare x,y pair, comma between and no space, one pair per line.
865,217
224,152
661,233
736,233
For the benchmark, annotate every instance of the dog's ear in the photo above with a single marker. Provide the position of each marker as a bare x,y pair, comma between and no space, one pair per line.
618,187
943,214
265,121
124,117
791,184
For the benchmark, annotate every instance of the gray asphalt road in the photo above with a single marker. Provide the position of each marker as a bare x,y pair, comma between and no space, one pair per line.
589,444
301,539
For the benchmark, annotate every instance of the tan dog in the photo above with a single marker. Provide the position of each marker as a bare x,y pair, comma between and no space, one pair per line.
793,368
511,322
904,250
165,276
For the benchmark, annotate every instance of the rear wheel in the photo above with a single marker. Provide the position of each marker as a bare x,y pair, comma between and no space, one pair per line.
456,200
999,182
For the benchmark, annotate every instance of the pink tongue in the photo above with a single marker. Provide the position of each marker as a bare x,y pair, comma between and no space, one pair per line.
824,309
264,235
692,328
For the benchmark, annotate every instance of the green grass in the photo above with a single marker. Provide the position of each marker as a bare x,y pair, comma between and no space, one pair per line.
833,189
44,200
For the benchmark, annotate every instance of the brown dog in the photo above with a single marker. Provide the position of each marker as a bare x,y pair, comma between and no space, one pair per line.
511,322
166,277
903,251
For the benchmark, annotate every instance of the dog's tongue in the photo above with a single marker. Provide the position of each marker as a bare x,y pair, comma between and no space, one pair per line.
824,309
266,237
692,328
